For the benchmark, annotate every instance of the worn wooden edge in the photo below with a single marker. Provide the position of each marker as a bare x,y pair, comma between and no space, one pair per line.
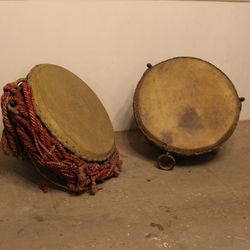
167,147
44,119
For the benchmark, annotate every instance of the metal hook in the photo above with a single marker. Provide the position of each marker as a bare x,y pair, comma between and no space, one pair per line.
241,99
149,65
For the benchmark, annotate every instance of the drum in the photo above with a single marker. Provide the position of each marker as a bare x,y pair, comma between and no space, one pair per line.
72,112
186,106
59,122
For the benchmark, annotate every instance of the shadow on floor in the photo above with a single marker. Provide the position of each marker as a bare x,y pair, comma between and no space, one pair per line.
25,170
143,147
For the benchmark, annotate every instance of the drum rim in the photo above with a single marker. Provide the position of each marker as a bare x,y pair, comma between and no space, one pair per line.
173,149
56,134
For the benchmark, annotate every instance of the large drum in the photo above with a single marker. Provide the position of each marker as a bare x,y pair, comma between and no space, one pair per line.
72,112
186,106
54,118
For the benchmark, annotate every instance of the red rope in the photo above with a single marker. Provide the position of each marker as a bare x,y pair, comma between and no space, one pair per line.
24,134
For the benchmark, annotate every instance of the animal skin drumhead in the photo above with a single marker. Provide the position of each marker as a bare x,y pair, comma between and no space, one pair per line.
72,112
186,105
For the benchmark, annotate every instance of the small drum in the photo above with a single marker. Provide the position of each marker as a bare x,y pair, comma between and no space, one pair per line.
54,118
186,106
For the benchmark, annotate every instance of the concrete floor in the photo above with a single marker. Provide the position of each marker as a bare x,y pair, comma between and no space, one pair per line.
201,204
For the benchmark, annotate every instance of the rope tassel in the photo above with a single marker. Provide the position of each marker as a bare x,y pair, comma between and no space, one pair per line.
25,135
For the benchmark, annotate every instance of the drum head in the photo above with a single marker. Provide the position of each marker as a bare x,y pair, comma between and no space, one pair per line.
72,112
186,105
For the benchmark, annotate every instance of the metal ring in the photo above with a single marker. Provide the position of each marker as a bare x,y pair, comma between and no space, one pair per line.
166,162
20,81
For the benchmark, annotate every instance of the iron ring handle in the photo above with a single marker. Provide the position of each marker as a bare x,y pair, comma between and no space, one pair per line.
166,162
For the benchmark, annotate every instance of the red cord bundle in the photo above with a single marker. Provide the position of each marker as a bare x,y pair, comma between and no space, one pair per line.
24,134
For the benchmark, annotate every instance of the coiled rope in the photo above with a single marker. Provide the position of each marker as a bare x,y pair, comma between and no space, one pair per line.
25,135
